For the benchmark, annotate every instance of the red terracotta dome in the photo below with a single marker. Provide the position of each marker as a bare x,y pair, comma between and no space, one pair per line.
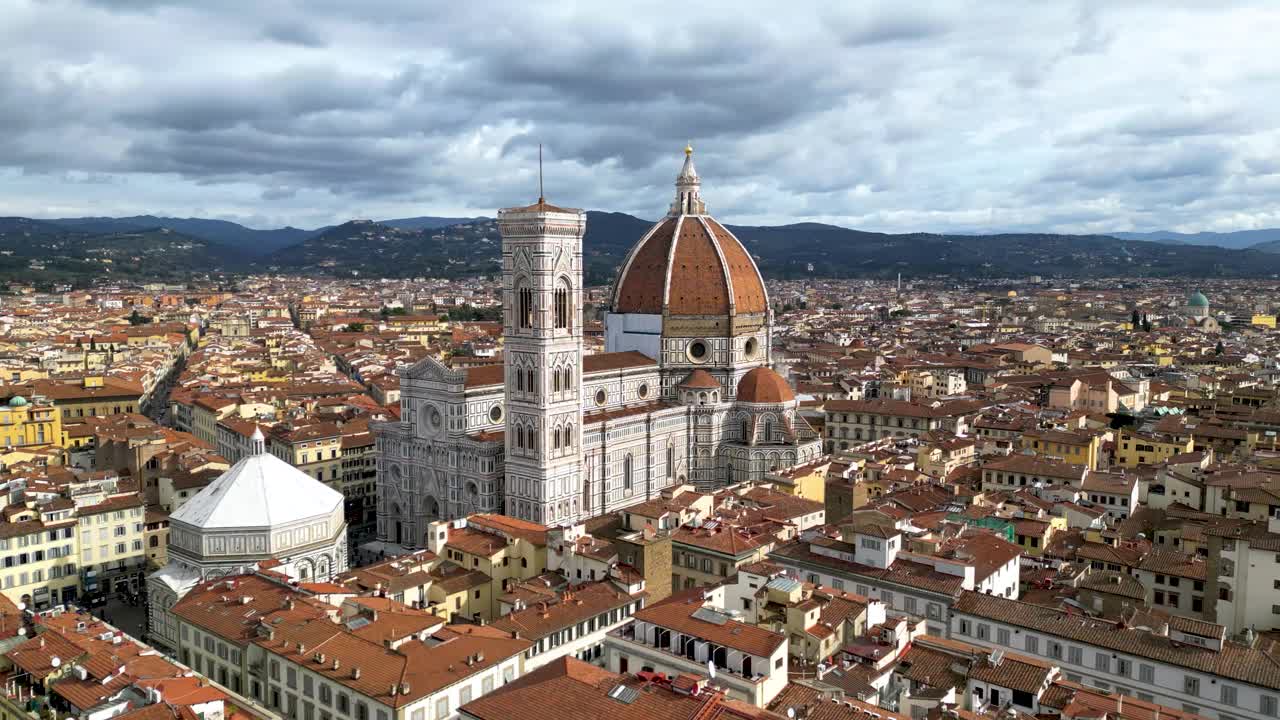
763,385
689,264
700,380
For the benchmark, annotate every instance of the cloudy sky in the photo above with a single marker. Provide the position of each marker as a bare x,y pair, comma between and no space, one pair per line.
895,116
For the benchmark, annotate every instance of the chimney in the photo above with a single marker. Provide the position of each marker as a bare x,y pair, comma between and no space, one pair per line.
355,673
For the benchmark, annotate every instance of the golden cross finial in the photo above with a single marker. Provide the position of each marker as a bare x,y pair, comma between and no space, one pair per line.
688,149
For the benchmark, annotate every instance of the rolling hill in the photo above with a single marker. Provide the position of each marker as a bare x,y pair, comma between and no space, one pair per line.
233,235
788,251
47,252
1238,240
427,222
150,246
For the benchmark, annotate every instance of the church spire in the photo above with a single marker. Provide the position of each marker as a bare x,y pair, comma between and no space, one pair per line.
688,188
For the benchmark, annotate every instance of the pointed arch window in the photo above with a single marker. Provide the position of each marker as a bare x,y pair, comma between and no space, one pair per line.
746,431
524,307
671,462
561,306
627,472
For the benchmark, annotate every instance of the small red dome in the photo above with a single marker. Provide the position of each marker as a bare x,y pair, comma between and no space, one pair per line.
700,380
763,385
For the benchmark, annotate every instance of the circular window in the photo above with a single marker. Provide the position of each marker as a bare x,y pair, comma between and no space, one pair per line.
601,396
749,349
643,390
495,413
698,351
435,418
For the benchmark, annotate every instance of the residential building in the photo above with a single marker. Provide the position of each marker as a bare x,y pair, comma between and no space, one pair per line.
686,635
575,621
1179,662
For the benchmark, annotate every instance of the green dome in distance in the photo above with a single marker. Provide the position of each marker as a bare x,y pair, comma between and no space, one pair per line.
17,401
1197,299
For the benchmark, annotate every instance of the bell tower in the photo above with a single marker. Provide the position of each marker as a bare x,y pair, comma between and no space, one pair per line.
542,354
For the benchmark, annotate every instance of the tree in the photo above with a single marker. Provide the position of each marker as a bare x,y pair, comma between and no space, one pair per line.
354,328
137,318
1219,348
1136,322
1146,323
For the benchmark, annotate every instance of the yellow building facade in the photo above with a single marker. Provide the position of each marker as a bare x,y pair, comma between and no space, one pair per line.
25,423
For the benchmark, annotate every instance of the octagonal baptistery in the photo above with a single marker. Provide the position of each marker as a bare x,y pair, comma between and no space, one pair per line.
261,508
690,296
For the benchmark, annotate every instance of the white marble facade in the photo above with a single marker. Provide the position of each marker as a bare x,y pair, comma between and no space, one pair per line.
556,436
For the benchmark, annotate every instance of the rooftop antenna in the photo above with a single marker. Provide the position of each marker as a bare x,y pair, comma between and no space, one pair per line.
541,197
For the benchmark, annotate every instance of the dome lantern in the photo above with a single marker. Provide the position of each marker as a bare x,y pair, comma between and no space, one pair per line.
688,188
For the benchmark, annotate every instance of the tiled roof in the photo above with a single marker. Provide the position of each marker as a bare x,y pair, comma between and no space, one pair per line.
485,375
417,669
902,572
601,362
1236,662
572,607
813,704
569,689
679,614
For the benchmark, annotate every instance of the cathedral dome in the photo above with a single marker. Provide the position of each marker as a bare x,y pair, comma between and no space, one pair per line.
763,385
688,264
1197,299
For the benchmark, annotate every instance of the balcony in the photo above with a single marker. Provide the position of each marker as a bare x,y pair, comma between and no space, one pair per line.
696,660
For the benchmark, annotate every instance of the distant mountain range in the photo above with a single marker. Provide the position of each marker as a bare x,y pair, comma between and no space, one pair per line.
1268,240
787,251
233,235
80,249
48,252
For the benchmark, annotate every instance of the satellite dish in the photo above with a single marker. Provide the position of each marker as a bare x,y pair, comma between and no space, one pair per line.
791,713
22,631
56,662
22,606
711,669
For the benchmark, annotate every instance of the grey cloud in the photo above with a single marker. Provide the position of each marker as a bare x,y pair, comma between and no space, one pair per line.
293,34
904,116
